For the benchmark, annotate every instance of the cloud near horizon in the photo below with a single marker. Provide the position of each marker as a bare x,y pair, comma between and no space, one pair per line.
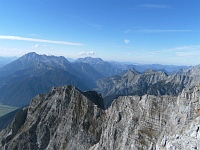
86,53
36,45
4,37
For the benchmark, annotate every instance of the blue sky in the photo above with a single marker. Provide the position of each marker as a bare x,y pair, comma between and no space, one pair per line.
142,31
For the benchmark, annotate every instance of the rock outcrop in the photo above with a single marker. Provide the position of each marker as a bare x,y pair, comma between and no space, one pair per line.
135,122
182,129
67,118
63,119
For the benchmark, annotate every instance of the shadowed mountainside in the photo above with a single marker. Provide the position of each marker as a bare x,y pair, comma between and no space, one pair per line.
33,74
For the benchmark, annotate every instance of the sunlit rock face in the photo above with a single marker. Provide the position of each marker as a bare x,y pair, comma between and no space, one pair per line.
67,118
135,122
182,129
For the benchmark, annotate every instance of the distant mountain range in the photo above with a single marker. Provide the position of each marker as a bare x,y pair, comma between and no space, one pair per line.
169,69
113,68
33,74
146,109
103,67
150,82
6,60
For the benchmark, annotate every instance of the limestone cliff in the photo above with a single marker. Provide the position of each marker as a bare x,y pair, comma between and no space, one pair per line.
150,122
67,118
63,119
182,129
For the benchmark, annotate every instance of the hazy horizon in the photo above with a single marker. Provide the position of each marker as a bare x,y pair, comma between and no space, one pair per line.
74,59
146,32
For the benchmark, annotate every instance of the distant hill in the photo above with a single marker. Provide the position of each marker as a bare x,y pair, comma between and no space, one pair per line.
169,69
6,60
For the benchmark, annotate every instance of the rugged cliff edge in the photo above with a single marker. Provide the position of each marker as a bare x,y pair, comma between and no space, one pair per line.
150,82
63,119
182,129
67,118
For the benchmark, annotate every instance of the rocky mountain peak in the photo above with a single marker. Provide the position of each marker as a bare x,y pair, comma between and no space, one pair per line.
35,60
149,71
133,71
31,55
65,118
90,60
34,57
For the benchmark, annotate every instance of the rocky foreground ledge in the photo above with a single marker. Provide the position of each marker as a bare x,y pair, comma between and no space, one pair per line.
67,118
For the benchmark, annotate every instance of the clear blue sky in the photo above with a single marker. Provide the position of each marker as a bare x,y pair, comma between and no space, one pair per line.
143,31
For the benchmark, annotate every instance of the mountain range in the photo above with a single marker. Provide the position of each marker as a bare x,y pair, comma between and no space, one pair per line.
129,109
150,82
33,74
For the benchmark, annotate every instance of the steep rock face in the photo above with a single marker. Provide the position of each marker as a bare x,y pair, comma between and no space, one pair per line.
135,122
182,129
150,122
63,119
69,119
7,119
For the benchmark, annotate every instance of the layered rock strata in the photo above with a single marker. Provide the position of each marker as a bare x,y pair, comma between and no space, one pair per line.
63,119
67,118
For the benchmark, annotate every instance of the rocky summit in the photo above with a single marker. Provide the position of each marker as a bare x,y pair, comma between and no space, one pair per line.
67,118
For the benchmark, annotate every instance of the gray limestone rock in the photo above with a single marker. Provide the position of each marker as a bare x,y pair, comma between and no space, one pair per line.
67,118
62,119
